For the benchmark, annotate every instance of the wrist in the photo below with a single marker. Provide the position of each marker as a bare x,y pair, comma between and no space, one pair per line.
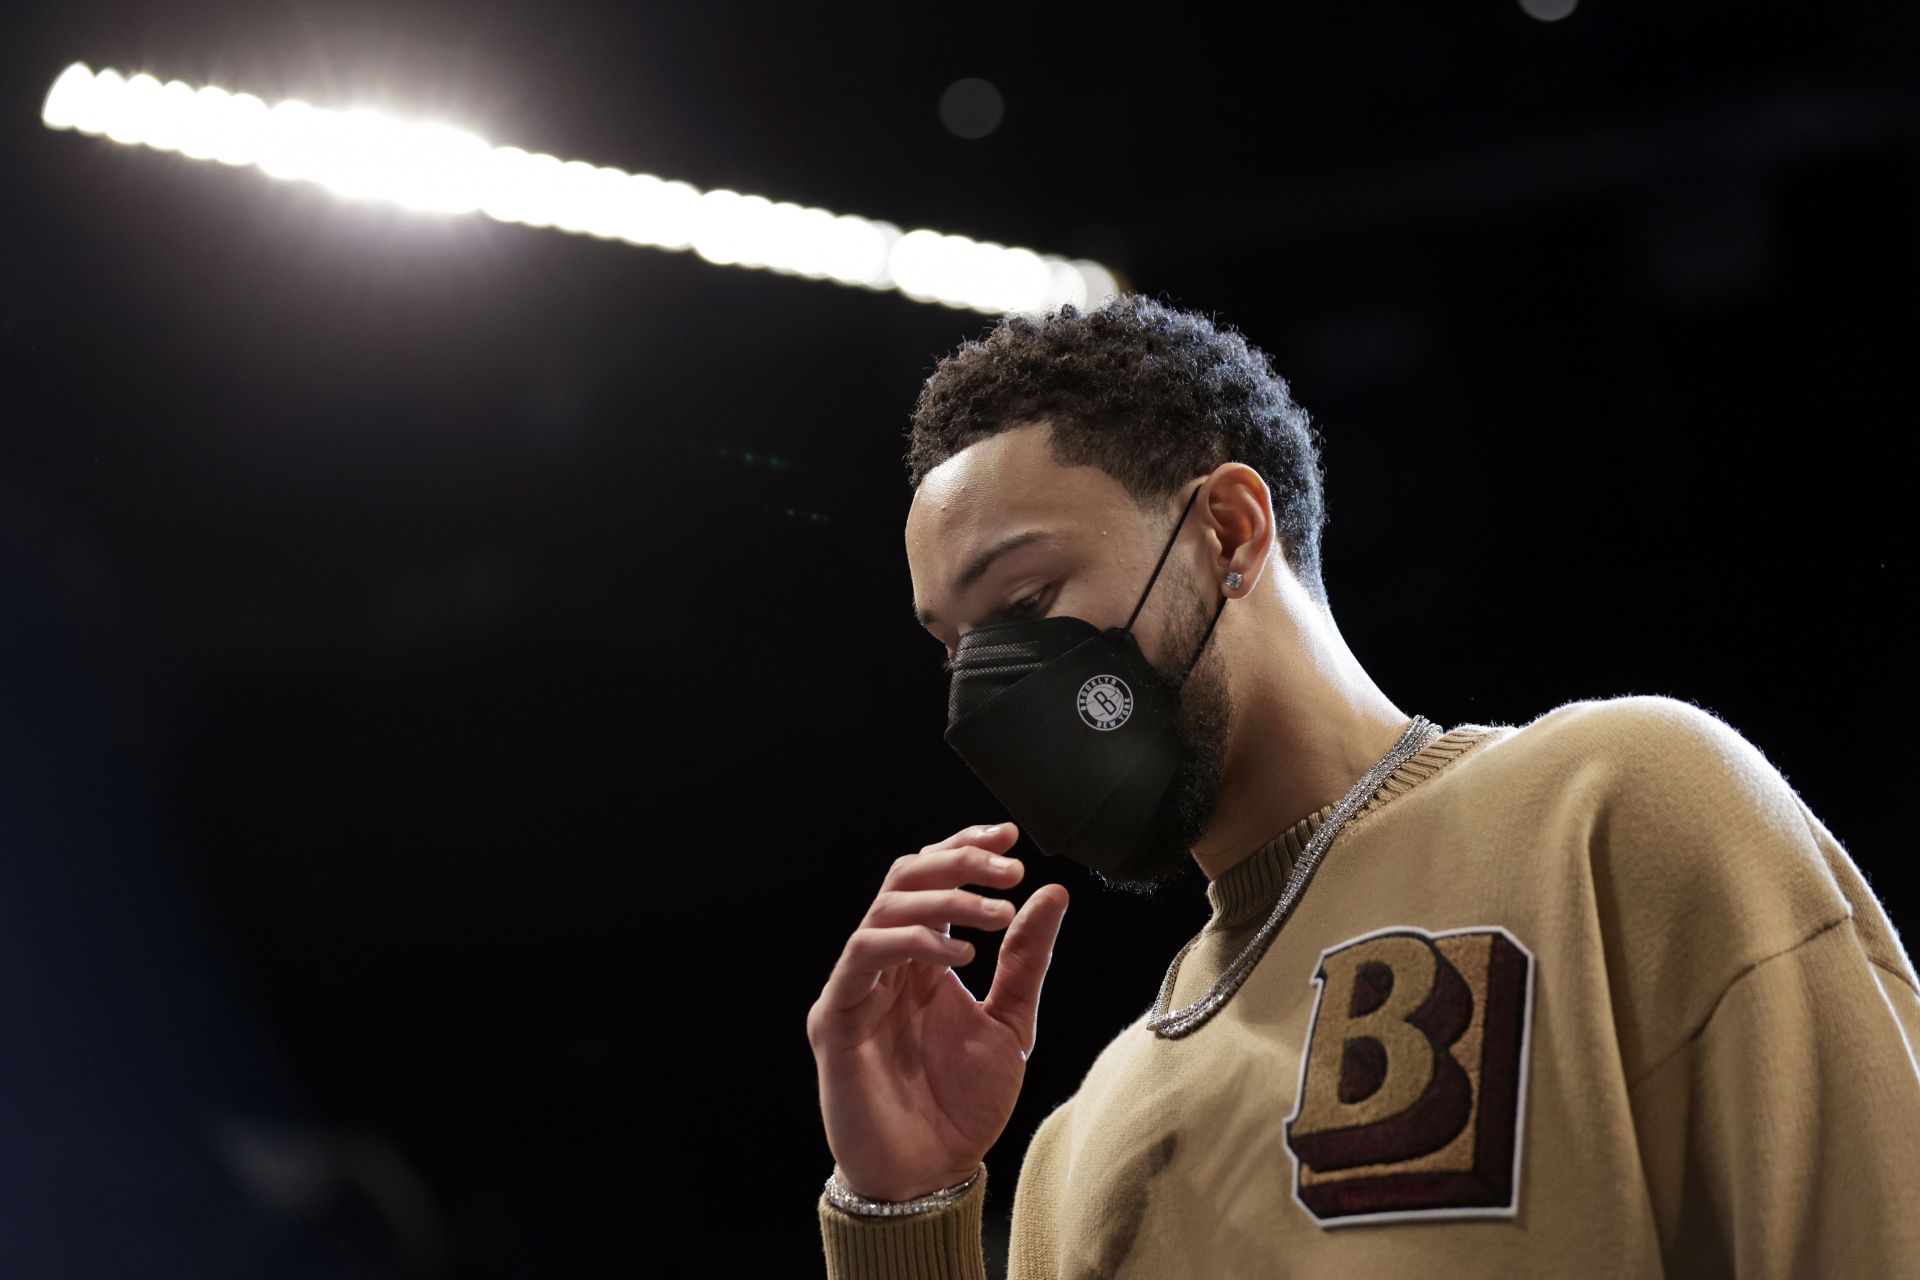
847,1200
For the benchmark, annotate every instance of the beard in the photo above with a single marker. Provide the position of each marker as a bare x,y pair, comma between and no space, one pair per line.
1206,707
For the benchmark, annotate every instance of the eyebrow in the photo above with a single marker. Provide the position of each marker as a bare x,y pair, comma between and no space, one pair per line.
977,567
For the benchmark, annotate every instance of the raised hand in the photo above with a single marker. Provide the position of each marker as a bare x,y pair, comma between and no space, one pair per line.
918,1078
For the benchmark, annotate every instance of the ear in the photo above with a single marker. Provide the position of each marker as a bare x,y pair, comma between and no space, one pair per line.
1239,513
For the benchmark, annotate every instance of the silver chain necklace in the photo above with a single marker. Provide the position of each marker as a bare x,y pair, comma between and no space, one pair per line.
1171,1026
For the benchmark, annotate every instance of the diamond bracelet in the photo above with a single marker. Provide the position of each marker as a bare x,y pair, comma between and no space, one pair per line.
847,1200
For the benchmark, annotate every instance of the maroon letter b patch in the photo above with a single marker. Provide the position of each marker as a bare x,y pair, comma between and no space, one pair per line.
1413,1080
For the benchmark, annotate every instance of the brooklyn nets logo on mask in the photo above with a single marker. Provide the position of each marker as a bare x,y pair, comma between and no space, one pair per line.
1105,702
1413,1082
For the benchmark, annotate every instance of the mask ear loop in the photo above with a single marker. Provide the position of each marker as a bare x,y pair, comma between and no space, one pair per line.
1203,639
1163,556
1218,609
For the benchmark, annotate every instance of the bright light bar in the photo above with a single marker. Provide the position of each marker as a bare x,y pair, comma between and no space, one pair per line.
432,168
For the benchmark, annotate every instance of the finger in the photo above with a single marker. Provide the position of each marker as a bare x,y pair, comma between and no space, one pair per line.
939,909
944,868
982,833
1025,954
997,836
871,952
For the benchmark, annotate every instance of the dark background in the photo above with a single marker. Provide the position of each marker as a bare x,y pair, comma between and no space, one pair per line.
441,757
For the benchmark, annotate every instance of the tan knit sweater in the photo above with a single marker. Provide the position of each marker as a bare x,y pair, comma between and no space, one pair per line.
1596,996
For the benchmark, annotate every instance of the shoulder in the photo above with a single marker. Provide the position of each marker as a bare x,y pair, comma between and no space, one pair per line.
1698,854
1635,725
1671,759
1684,825
1673,783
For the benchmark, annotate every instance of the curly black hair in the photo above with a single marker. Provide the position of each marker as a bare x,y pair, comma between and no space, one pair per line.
1150,394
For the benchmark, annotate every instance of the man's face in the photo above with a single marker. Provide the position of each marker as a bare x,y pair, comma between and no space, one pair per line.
1000,532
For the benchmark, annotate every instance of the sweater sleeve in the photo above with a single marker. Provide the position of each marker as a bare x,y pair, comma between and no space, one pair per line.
1778,1141
942,1245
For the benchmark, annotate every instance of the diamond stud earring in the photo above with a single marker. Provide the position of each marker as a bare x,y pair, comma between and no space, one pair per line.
1233,580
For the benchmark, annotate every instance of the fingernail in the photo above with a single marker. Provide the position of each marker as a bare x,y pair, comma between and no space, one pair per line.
987,831
999,863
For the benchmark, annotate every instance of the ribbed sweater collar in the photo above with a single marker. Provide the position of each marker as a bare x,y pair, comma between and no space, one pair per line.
1250,887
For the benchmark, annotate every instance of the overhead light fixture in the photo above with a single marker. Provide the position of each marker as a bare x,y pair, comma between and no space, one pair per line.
434,168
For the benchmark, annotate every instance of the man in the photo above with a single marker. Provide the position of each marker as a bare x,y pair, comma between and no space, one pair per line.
1593,996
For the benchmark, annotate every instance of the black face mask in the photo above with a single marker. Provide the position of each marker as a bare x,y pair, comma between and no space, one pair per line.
1072,729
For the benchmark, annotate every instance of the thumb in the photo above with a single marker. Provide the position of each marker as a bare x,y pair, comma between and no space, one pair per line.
1026,951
